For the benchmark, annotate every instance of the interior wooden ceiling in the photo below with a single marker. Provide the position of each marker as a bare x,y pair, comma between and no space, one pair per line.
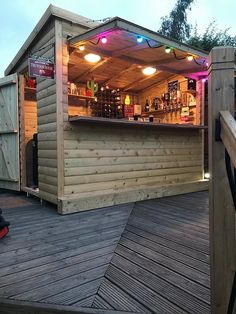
122,61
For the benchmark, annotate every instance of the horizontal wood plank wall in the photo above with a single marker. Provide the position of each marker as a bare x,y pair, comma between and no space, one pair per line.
47,125
107,165
53,103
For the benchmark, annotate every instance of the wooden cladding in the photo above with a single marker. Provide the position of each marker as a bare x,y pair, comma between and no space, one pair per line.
106,160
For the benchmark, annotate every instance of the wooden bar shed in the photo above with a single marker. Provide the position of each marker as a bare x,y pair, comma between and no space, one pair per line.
85,156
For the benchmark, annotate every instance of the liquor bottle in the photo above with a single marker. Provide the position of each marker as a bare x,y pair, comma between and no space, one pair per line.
153,104
156,105
146,107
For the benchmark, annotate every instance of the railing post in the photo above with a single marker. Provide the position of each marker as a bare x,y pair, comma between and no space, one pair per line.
222,214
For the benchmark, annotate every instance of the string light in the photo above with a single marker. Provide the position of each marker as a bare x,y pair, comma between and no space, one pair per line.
139,39
198,63
176,57
104,39
153,47
81,48
167,49
189,57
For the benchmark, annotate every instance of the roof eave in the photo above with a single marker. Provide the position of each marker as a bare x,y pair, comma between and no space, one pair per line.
119,23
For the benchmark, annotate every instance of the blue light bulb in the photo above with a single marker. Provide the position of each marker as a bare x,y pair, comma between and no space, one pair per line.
139,39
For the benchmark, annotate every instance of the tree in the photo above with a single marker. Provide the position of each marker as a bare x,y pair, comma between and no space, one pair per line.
175,25
211,37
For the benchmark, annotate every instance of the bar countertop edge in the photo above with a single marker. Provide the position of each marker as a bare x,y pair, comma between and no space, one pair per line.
109,121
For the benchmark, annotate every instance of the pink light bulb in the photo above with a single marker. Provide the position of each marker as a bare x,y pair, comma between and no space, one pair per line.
203,80
104,40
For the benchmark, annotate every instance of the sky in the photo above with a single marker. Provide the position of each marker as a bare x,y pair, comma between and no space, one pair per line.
19,17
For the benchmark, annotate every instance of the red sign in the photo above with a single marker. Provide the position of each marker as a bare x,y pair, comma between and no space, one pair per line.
128,110
41,68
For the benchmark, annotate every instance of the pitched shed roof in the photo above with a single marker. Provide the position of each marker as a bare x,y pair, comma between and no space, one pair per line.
122,57
122,24
92,28
52,11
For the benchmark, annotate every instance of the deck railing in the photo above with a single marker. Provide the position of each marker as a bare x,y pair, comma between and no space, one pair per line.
227,130
222,188
228,134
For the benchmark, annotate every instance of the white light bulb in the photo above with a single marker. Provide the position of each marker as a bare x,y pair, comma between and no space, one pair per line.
149,71
91,57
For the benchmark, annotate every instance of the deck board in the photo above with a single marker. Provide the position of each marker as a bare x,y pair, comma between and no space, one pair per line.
100,303
165,251
55,259
154,259
118,299
162,259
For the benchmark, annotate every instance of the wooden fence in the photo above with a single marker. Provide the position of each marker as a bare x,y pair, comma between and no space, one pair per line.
222,153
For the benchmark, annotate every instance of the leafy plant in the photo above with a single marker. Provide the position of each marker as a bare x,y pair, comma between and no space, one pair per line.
176,26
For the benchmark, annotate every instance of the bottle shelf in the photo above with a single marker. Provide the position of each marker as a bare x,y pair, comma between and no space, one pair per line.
190,91
160,111
30,93
82,96
30,89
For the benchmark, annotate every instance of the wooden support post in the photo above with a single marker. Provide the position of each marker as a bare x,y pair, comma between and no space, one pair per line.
222,214
59,114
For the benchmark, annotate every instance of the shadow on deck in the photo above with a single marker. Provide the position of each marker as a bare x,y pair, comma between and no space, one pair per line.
151,257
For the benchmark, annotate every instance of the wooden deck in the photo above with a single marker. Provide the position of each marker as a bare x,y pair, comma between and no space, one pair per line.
111,260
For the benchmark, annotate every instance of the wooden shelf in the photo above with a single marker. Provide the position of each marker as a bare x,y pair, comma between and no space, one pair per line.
31,89
82,96
160,111
30,93
190,91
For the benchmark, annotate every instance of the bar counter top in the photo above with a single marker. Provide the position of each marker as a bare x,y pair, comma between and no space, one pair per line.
109,121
